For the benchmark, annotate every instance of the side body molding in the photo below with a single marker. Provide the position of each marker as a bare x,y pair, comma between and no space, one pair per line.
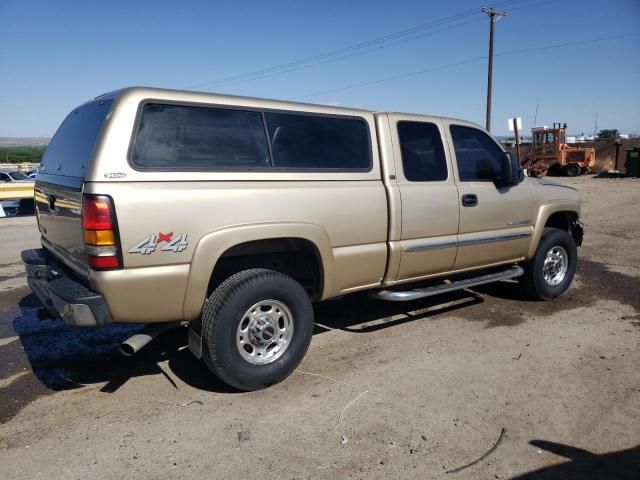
213,245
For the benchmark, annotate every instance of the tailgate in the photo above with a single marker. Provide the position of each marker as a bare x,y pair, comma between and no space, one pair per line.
59,208
59,184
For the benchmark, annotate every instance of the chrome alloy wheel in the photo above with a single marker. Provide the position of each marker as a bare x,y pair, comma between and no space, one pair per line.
265,332
555,267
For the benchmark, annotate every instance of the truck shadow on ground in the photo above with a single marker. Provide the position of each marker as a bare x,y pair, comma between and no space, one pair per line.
359,313
584,465
64,358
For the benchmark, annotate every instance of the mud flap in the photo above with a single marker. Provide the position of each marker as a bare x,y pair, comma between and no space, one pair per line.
195,337
577,232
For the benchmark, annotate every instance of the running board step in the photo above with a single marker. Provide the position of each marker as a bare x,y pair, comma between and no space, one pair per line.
408,295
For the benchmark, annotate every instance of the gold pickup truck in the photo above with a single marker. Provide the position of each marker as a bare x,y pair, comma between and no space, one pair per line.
233,214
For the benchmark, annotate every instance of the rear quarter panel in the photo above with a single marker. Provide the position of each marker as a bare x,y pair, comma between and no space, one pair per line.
350,218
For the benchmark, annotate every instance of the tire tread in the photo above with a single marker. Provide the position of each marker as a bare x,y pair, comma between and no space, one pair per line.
528,280
211,313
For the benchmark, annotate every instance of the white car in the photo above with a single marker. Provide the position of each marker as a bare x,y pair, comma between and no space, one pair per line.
7,176
13,207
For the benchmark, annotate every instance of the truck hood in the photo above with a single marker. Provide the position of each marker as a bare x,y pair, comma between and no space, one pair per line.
548,191
545,181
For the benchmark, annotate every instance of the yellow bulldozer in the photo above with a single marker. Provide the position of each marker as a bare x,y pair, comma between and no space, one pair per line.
550,153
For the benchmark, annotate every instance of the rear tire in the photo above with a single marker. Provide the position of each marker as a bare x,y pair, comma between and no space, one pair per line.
573,170
548,274
256,328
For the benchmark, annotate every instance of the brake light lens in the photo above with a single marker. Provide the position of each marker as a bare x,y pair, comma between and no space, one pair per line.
103,263
96,213
100,232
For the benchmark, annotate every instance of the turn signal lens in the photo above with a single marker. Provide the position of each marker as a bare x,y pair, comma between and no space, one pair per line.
99,237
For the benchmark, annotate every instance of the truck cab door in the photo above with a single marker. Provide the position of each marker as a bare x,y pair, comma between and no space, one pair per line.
495,222
429,197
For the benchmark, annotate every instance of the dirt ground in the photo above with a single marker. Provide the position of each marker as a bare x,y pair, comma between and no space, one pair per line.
411,390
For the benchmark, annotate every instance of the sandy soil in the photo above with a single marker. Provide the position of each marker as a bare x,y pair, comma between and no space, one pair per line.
386,391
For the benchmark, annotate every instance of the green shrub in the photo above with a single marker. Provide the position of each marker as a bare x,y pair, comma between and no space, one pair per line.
21,154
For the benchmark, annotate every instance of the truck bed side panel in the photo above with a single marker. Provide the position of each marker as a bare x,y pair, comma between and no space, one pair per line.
353,214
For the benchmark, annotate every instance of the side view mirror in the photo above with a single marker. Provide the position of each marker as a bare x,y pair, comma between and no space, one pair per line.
511,172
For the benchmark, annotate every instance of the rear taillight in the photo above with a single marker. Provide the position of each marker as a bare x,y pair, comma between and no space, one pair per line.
104,263
100,232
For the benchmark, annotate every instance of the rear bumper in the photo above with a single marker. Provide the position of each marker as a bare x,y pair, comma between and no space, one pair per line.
61,295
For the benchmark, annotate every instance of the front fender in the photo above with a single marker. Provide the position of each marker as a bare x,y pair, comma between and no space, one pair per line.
544,212
213,245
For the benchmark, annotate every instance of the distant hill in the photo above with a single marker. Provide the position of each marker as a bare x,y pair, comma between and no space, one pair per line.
24,141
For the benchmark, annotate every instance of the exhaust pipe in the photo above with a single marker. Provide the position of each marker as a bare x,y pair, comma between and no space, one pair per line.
134,343
44,314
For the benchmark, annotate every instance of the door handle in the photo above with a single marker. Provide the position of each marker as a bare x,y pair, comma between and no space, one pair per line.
469,200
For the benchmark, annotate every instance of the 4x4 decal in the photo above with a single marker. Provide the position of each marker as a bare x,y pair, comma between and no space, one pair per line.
175,244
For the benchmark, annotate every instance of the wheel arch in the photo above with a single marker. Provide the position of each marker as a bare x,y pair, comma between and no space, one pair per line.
212,247
562,215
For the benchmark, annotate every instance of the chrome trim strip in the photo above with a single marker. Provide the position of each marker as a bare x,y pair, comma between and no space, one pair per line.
464,243
497,238
519,223
430,246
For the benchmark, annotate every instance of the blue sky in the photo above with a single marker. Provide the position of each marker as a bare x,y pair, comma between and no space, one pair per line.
55,55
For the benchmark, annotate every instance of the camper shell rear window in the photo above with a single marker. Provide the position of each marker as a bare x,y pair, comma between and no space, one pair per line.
70,149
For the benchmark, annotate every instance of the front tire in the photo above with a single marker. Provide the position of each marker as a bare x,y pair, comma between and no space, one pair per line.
549,273
256,328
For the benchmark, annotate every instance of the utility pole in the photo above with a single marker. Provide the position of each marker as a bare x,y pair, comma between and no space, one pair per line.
494,16
517,133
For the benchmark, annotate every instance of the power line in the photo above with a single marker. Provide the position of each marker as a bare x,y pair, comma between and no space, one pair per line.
464,62
395,77
525,6
343,57
327,56
568,44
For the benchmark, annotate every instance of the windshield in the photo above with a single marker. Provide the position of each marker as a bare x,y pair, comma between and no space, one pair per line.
18,176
